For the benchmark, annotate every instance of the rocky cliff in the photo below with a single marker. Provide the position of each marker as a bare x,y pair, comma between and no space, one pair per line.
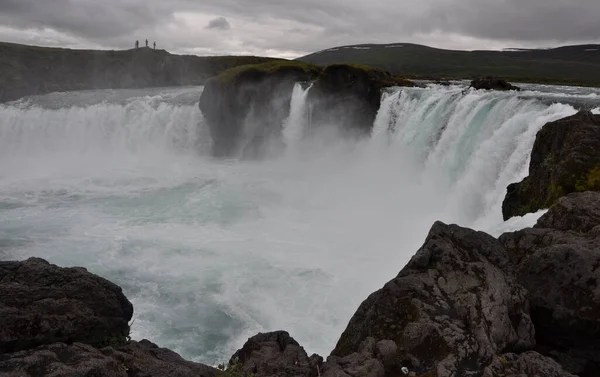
565,158
245,107
30,70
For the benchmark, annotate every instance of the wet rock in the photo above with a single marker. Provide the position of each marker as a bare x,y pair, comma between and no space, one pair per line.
492,83
246,108
275,354
348,97
143,359
560,267
576,212
565,159
366,362
530,364
41,303
450,310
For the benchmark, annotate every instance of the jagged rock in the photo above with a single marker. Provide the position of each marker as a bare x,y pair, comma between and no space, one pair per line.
579,212
245,108
366,362
530,364
349,96
41,303
450,310
560,268
492,83
143,359
275,354
565,159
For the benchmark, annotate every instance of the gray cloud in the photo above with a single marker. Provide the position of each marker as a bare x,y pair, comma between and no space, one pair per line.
295,27
219,23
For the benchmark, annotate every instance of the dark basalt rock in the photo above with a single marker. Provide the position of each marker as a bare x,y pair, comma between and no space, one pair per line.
565,159
275,354
349,96
492,83
558,261
41,303
143,359
451,310
245,107
530,364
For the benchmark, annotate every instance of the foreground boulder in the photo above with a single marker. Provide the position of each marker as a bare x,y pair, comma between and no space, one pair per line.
451,310
245,107
349,96
492,83
41,303
565,158
143,359
558,261
275,354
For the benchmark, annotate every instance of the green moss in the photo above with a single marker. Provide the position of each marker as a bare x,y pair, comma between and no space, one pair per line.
553,194
233,369
503,361
590,182
270,67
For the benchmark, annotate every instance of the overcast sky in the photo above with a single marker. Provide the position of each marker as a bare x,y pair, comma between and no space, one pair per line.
292,28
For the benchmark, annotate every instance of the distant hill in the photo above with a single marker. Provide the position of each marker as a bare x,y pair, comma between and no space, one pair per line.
578,65
28,70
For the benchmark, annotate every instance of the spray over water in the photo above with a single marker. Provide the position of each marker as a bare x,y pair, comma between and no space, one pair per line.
213,251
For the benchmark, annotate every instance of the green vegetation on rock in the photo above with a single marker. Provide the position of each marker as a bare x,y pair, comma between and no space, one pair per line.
275,66
233,369
591,182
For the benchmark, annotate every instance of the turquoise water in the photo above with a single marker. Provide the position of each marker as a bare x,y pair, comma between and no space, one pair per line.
211,251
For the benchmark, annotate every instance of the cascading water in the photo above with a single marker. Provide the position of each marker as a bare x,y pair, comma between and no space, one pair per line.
213,251
293,129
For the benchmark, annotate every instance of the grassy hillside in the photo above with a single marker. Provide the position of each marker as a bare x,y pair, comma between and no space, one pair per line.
28,70
565,65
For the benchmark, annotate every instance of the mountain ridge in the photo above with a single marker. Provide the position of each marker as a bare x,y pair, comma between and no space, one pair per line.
569,65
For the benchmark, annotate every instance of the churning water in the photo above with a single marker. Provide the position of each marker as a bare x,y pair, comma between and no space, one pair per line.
213,251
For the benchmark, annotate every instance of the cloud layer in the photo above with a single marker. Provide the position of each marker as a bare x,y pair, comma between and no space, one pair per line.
292,28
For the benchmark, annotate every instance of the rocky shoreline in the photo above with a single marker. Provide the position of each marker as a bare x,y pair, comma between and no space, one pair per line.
467,304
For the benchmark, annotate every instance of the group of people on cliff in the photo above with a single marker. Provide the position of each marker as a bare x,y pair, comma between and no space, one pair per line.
137,44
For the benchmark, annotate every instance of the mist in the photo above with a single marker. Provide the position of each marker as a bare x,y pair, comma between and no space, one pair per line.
211,251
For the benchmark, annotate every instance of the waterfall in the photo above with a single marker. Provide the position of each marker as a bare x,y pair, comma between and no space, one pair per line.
296,123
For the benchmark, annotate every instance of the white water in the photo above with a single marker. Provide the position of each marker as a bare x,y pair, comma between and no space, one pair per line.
295,125
212,251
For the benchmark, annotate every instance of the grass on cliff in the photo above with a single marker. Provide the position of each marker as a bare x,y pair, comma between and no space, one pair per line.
269,67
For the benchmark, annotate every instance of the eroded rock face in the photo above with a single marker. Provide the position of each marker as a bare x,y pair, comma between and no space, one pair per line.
565,159
348,97
492,83
558,262
530,364
450,310
246,110
41,303
143,359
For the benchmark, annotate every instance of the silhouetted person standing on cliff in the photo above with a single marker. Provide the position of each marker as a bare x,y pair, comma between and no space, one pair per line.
146,43
155,45
137,44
